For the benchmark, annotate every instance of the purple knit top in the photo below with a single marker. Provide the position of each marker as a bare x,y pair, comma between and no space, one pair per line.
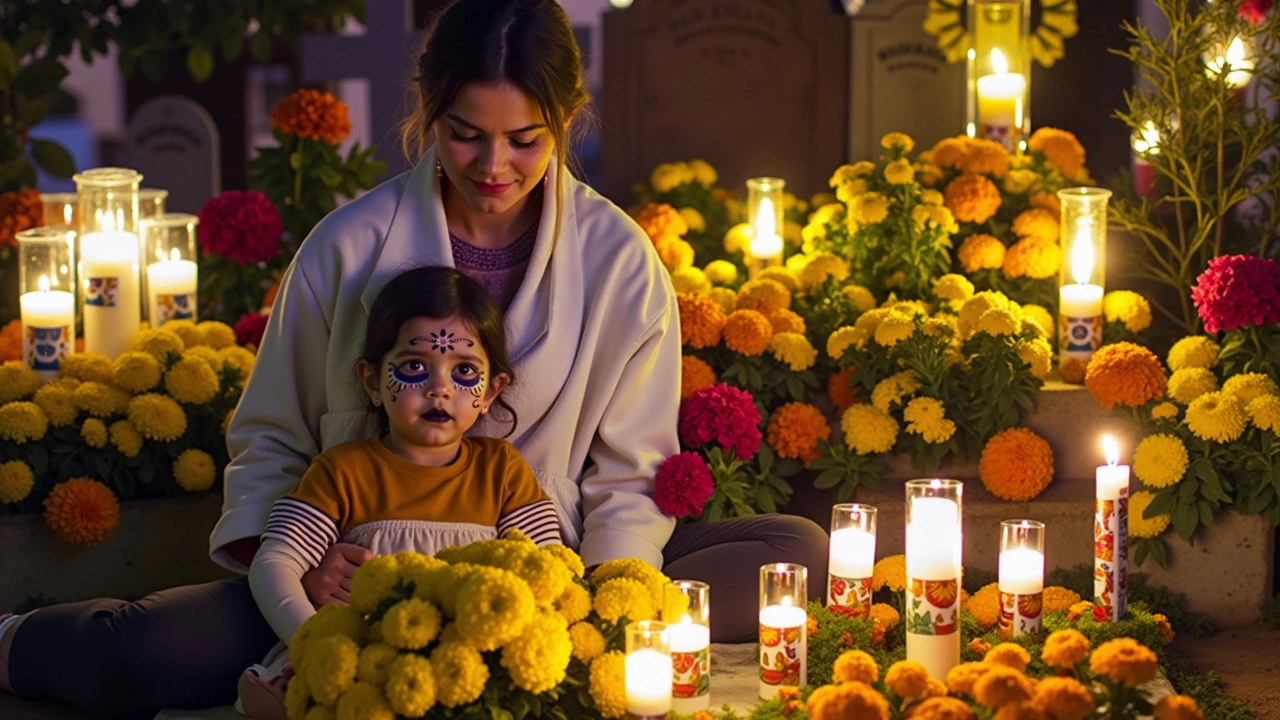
500,270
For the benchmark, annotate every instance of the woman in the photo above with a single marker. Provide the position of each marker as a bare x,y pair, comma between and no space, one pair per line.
593,329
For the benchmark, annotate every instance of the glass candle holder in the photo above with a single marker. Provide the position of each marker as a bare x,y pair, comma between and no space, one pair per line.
1021,577
59,209
648,670
765,212
111,286
688,622
169,242
852,558
1111,536
1081,279
934,542
151,202
784,646
999,72
47,282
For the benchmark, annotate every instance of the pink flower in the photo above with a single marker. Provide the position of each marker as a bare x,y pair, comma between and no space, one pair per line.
240,226
1238,291
1254,11
249,328
683,485
722,414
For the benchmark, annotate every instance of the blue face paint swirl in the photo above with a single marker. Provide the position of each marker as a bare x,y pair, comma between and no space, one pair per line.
473,385
399,381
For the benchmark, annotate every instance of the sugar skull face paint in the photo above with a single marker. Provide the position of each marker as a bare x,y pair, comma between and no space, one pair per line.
443,341
471,383
409,375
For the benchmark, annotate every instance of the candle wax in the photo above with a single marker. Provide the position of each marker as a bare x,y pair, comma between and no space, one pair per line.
1021,571
112,296
648,682
853,553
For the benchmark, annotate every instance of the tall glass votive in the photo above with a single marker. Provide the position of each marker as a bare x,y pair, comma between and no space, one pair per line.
58,209
784,594
999,71
765,212
151,202
689,632
852,558
111,286
648,670
1021,577
934,542
47,282
169,248
1082,276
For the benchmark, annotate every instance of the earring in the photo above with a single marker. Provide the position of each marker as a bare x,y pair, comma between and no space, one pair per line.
439,169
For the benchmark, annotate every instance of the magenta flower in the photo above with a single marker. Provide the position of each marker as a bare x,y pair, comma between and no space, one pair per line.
1254,11
1238,291
683,485
721,414
240,226
249,328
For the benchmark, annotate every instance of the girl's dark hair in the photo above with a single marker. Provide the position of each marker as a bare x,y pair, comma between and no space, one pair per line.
438,292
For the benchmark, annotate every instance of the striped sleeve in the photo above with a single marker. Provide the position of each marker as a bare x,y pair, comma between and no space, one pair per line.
302,527
538,521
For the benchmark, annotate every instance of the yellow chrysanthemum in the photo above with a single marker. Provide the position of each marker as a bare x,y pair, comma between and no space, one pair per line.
16,481
1020,181
870,208
841,340
979,252
953,287
785,277
907,678
136,372
606,684
855,666
1036,223
936,217
82,511
695,374
747,332
574,603
493,608
894,329
926,417
194,470
297,698
1063,698
721,272
159,342
1016,465
673,252
860,297
1038,353
1010,655
693,219
411,624
972,198
185,329
793,349
1000,686
821,266
1164,411
411,685
701,321
1190,383
1145,527
1160,460
329,620
373,581
374,660
17,381
1060,148
1217,416
57,404
795,429
1264,412
206,354
460,672
897,140
984,605
890,572
22,422
690,280
668,176
1124,374
361,702
899,172
999,322
238,358
1196,351
330,667
1177,707
623,597
125,437
216,335
1246,386
974,308
87,367
157,417
738,238
100,400
588,643
1125,661
1032,257
893,390
725,298
1127,307
703,173
538,658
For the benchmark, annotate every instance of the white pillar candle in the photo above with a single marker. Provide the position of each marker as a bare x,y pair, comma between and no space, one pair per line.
1021,578
933,577
1000,98
171,288
112,302
765,248
1111,537
648,682
852,559
48,328
691,665
783,648
1021,571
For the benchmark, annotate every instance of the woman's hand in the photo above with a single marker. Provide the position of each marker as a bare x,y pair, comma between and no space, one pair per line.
330,581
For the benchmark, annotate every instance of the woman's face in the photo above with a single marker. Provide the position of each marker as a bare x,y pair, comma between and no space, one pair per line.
494,145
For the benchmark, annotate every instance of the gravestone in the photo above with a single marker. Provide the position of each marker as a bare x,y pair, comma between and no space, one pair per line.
755,87
173,142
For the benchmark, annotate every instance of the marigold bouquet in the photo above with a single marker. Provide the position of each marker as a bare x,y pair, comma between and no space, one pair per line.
498,628
708,210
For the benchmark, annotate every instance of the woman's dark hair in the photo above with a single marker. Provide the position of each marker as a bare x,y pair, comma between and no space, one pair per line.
438,292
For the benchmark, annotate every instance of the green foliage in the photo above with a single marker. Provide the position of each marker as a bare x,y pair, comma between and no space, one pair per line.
1142,593
742,488
837,634
839,465
1207,690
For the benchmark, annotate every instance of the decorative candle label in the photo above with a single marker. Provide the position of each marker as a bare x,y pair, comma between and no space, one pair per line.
1002,134
692,673
1019,614
46,347
1110,558
102,291
850,597
933,606
174,307
781,655
1080,336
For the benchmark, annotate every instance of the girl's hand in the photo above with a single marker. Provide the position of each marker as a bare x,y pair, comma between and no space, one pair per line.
331,581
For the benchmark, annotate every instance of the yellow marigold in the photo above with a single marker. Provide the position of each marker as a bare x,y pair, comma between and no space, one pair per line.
194,470
855,666
674,252
623,597
821,266
1217,416
953,287
984,156
978,252
738,238
1061,149
205,354
934,216
668,176
56,402
975,307
661,220
899,172
950,152
1160,460
493,608
960,679
87,367
894,329
136,372
1079,610
1056,598
977,645
999,322
157,417
897,140
1164,411
22,422
942,708
870,208
82,511
1127,307
860,297
794,430
1036,223
411,685
1125,661
1163,627
1064,649
721,272
725,299
747,332
1248,386
1126,374
690,280
18,381
907,678
537,659
588,643
16,481
893,390
1264,412
158,342
1144,527
411,624
330,667
328,620
362,701
1016,465
100,400
567,556
191,380
1190,383
890,572
785,277
847,700
786,321
972,198
460,671
1020,181
125,437
1196,351
984,605
883,615
1010,655
375,658
1063,698
701,321
1177,707
695,374
1000,686
216,335
926,417
187,330
1032,257
606,684
1046,201
312,114
763,295
840,340
1038,353
703,173
693,219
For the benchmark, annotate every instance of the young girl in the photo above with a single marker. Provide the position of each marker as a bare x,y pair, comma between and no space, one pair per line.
434,361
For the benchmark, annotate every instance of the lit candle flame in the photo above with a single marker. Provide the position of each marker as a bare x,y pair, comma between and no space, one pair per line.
786,601
43,283
766,221
1111,450
1234,62
998,62
1235,53
1148,140
1082,255
687,619
175,254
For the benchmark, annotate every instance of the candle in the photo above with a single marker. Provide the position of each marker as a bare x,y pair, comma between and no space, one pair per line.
933,574
766,246
783,628
1021,580
1000,97
648,674
112,303
1080,304
48,317
690,641
171,286
1111,537
852,558
1145,142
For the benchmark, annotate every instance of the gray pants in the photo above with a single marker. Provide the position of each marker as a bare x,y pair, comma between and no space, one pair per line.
185,647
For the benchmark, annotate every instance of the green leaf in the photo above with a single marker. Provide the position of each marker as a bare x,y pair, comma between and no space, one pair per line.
1157,551
1140,550
53,158
1163,504
39,78
200,62
1206,513
1185,520
8,65
33,111
828,478
38,458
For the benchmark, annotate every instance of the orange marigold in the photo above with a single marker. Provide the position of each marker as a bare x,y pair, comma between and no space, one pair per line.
1073,370
701,320
1124,660
786,321
972,198
1032,257
747,332
11,341
695,374
950,152
978,252
1061,149
985,156
1037,223
19,210
1058,599
661,220
1124,374
840,391
794,430
1016,465
82,511
1047,201
312,114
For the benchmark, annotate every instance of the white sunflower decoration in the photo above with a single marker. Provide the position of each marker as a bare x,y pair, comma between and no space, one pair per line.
1057,23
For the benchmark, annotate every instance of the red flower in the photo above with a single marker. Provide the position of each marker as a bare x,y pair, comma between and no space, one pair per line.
1254,11
722,414
249,328
1238,291
683,485
240,226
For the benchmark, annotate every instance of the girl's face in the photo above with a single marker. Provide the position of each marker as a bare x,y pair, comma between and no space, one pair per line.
494,145
434,384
